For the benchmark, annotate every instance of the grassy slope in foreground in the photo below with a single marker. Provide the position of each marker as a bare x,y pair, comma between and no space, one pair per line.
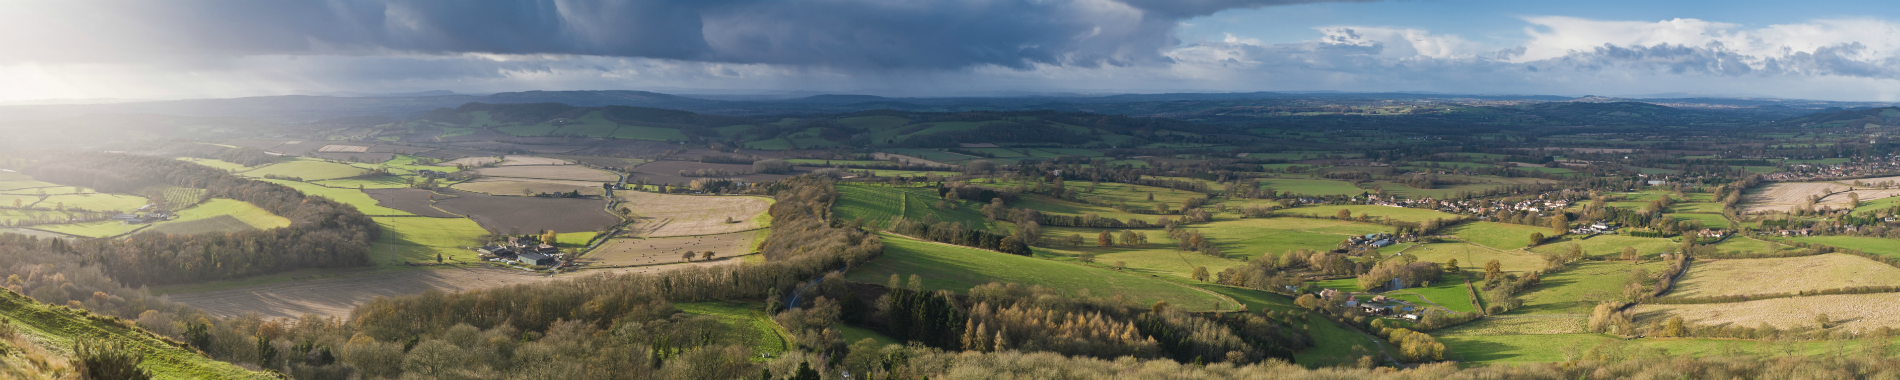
959,269
58,325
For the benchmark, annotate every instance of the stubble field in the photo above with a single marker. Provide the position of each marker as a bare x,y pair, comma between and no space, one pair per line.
1782,275
662,215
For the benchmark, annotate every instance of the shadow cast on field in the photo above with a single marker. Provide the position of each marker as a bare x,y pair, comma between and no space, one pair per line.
338,296
1482,351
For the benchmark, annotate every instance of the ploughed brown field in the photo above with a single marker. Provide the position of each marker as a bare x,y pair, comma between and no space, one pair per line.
415,201
527,214
515,186
556,172
668,172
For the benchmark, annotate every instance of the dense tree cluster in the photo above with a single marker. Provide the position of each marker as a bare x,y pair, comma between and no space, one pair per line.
959,234
323,233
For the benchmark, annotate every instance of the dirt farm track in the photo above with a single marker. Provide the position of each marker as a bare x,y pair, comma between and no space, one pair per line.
337,296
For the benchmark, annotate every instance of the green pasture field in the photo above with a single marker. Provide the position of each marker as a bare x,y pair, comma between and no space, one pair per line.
1052,205
634,132
1498,235
947,267
1638,206
747,319
1578,289
240,212
1473,256
24,186
878,204
574,239
96,202
1521,325
1548,348
949,126
810,138
1747,244
1448,292
1697,207
853,334
1610,246
912,173
1311,186
30,214
1547,170
773,144
874,122
1439,192
419,239
22,200
1823,161
1873,245
1001,152
1158,257
527,130
97,229
590,125
1254,237
1341,284
1071,152
1646,196
377,182
1451,165
1135,196
1881,204
309,170
351,197
1698,197
734,131
1417,215
819,162
930,154
1708,220
58,326
454,132
1485,156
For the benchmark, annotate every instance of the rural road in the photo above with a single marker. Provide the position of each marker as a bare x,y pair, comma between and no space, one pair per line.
338,296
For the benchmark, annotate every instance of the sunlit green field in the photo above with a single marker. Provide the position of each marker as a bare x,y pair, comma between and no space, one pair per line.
958,269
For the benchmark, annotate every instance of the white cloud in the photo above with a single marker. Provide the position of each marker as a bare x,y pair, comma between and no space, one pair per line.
1401,43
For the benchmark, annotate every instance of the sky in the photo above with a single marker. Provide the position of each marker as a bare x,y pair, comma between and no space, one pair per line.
174,49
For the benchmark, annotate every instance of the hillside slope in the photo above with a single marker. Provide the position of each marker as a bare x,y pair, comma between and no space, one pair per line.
55,327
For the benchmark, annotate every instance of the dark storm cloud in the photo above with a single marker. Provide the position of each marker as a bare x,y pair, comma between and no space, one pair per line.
944,34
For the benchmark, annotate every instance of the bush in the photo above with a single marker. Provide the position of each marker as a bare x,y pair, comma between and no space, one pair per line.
103,360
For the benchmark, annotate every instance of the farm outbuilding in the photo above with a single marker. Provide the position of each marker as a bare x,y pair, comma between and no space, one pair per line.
536,259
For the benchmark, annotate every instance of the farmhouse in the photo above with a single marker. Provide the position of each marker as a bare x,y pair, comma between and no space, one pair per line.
536,259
